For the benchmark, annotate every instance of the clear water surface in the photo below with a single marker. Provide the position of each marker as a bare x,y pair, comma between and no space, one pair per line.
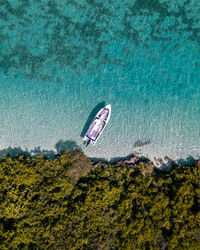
61,60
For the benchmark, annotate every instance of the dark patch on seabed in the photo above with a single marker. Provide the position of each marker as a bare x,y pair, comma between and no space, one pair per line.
141,143
39,37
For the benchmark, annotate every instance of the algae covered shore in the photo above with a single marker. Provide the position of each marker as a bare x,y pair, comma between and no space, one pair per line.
72,202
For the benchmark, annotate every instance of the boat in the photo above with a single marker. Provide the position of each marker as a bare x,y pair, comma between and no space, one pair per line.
97,125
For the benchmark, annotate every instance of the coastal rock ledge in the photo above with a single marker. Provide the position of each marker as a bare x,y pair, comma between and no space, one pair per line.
131,161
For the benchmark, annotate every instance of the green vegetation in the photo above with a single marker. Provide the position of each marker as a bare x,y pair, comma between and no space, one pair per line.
65,203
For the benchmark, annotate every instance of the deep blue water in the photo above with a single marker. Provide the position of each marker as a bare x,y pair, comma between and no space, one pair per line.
62,60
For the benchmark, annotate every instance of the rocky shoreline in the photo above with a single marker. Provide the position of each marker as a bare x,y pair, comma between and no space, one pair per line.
159,164
132,161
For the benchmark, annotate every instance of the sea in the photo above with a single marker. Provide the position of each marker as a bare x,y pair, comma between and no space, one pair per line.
63,60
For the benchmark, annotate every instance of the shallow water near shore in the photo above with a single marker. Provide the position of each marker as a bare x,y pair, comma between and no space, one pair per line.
59,61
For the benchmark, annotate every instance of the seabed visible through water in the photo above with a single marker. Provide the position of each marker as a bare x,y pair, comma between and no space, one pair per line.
60,62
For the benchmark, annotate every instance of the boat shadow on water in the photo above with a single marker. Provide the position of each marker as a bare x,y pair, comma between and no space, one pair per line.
91,117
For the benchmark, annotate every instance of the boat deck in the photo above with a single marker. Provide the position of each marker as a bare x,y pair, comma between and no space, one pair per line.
95,129
98,125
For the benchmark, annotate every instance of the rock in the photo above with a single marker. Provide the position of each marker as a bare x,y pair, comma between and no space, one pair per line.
99,163
197,163
140,143
137,154
132,160
159,162
166,158
165,164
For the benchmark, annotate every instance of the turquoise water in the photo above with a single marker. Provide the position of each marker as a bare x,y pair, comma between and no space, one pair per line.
61,60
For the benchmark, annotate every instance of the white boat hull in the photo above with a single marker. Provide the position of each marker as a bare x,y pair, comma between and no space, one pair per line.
98,125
